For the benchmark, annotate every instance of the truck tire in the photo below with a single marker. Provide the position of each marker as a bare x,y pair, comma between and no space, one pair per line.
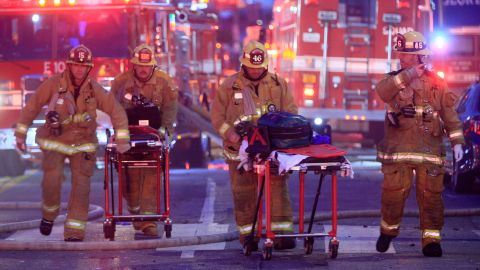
462,182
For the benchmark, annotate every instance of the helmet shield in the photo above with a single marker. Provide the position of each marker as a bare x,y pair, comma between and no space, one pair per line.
80,55
254,55
411,43
143,55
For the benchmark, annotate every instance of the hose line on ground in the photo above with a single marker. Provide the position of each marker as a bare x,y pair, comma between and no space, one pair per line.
97,211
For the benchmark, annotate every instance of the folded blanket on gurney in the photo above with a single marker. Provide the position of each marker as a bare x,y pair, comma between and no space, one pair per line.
289,158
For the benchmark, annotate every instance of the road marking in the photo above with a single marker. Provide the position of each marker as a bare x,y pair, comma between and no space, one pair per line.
206,227
477,232
187,254
34,235
356,239
208,210
8,183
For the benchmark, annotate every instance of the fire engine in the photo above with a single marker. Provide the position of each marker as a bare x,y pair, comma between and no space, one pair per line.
36,35
456,43
333,53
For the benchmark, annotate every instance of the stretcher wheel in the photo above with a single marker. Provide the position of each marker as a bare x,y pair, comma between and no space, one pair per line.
308,245
333,248
267,253
168,230
109,229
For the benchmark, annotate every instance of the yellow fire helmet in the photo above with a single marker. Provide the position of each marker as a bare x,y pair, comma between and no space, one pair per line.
143,55
80,55
254,55
411,43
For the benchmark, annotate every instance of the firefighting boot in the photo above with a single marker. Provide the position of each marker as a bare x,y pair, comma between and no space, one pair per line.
432,250
73,239
284,243
383,242
252,242
46,227
150,231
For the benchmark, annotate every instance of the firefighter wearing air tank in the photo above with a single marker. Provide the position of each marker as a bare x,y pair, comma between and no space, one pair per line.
245,96
70,132
419,108
145,83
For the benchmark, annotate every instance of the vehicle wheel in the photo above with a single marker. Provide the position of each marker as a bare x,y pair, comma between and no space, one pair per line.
168,230
267,253
333,248
308,245
462,182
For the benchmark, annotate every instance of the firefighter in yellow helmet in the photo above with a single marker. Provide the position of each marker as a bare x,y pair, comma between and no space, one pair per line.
419,108
150,84
70,132
245,96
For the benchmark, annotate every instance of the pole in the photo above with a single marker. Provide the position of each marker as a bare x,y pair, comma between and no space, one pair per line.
323,81
389,49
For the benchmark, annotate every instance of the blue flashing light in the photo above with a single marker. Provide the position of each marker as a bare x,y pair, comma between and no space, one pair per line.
439,42
318,121
35,18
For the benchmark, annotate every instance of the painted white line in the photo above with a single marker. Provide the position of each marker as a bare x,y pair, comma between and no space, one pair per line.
208,210
207,226
356,239
34,234
187,254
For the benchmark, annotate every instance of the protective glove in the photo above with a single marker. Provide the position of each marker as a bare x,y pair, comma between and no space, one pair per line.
243,128
392,118
123,147
21,145
408,111
458,152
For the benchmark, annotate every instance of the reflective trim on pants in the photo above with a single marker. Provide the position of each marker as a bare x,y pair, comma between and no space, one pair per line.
50,208
134,210
245,229
388,227
66,149
282,226
75,224
435,234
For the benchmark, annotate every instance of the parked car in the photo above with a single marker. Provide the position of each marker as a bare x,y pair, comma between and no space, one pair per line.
466,171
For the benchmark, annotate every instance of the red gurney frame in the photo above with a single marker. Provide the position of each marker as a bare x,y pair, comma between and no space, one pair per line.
325,160
158,158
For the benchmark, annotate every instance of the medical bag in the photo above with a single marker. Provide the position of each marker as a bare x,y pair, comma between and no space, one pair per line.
286,130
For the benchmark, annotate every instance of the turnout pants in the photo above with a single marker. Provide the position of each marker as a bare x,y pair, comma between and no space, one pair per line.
140,191
82,168
396,187
244,189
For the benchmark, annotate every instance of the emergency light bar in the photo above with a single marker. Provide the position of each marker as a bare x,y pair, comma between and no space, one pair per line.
12,6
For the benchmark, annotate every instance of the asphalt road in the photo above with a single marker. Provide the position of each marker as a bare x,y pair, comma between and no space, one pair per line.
202,205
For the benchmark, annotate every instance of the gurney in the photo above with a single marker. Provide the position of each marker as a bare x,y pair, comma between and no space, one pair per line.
321,159
147,151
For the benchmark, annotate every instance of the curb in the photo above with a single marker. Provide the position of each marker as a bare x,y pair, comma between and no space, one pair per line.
96,212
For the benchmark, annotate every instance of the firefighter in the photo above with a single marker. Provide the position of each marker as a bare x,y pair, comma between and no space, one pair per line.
152,85
70,132
419,108
243,97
